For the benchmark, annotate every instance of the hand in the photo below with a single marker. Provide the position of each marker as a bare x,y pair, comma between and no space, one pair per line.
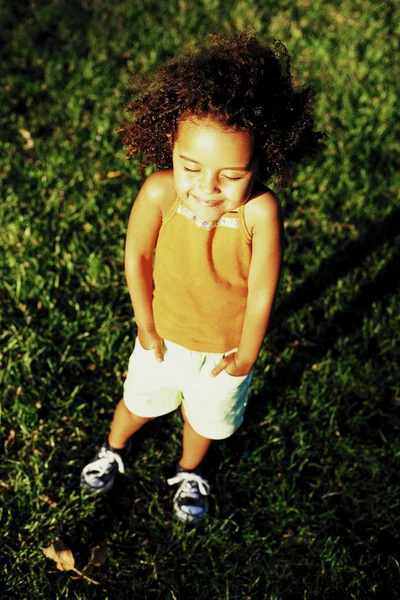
229,364
150,340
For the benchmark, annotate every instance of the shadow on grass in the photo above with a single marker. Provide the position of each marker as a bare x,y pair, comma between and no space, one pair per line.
346,323
349,257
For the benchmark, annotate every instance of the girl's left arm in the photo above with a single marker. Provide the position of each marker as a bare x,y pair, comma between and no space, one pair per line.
264,273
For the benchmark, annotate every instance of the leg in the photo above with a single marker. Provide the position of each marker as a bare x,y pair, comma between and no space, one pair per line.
192,490
99,475
195,446
124,424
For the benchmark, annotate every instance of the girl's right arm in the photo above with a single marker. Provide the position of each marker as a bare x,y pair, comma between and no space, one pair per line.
144,224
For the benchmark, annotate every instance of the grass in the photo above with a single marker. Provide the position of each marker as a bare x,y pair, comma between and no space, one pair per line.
307,492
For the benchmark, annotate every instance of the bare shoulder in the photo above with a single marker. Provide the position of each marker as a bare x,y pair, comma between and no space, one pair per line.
263,211
159,190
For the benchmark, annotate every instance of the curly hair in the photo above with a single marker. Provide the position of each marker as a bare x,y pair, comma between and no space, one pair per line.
241,82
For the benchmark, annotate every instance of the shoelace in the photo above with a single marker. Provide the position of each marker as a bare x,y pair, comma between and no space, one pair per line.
103,463
189,482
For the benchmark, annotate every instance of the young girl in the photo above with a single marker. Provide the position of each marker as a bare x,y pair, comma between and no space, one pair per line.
204,244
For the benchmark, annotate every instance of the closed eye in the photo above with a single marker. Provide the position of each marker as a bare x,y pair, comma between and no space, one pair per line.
222,176
231,178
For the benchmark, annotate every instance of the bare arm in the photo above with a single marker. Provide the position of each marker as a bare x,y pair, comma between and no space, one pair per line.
144,224
264,273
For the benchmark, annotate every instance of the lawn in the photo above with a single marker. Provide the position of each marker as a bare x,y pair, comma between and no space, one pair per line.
306,495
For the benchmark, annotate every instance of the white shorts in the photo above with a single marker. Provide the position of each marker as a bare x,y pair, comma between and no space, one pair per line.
214,406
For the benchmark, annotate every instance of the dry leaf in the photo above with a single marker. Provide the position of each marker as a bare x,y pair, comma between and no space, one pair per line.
99,554
64,559
61,555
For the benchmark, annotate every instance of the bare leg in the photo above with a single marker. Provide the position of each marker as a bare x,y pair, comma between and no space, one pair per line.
195,446
124,424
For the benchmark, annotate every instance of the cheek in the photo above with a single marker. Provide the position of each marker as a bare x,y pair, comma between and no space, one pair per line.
177,183
185,179
181,181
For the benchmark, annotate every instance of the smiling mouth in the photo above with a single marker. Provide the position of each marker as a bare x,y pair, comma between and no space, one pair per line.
208,203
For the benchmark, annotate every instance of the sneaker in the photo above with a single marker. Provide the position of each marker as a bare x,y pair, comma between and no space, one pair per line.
99,475
191,497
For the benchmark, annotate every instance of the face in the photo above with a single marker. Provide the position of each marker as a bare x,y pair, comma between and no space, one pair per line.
214,167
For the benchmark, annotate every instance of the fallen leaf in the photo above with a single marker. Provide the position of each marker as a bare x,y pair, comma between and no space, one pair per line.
61,554
64,559
98,556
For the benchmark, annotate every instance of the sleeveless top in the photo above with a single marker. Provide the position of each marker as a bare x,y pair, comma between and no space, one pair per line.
200,279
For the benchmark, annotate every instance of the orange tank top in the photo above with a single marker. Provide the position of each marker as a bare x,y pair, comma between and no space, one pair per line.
200,279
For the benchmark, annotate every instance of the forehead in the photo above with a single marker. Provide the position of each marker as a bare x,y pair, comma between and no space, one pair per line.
205,140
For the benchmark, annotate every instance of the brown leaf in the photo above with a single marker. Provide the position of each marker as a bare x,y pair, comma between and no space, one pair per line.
61,554
99,554
64,559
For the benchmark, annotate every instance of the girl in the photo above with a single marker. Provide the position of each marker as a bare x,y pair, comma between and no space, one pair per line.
204,244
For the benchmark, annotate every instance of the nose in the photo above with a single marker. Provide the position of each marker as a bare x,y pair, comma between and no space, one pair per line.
208,183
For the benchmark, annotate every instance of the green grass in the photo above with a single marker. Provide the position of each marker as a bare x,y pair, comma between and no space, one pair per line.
307,494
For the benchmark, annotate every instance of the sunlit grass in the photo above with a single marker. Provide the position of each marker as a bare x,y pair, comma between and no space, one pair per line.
306,494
